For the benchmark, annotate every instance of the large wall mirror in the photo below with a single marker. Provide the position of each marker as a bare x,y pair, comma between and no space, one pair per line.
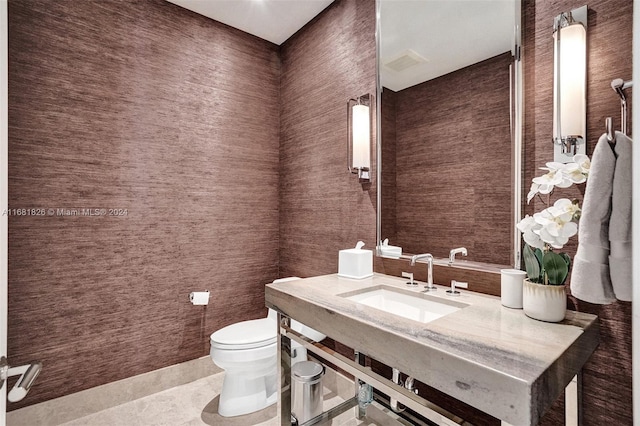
450,127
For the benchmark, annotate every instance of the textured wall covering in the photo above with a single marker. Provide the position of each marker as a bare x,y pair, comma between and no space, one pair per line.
144,106
607,376
322,207
453,150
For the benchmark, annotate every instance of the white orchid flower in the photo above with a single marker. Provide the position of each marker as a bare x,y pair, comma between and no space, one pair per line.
573,172
554,177
533,239
560,175
532,192
547,181
555,223
564,209
526,223
578,170
584,163
557,235
529,229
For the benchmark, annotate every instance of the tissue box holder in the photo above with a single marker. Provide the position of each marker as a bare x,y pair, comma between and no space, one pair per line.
355,263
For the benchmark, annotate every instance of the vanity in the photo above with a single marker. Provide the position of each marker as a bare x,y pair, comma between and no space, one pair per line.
468,346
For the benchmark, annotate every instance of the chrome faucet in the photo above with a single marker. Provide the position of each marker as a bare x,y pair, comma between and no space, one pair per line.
429,286
453,252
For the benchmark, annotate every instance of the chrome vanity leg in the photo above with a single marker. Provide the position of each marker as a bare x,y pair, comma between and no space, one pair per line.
573,401
284,376
360,411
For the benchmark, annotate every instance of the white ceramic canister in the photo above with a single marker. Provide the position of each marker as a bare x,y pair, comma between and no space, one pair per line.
511,287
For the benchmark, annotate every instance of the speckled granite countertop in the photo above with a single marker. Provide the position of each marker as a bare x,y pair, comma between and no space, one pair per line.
488,356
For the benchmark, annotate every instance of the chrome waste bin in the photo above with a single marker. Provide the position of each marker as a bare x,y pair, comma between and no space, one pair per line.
306,390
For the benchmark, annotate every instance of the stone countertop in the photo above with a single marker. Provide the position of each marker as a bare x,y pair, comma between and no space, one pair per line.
491,357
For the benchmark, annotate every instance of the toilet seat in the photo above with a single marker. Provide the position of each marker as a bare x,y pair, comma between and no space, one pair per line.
245,335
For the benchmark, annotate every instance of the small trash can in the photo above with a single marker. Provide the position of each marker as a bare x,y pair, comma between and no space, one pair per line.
306,390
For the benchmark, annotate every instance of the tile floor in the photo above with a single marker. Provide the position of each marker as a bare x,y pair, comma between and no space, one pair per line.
196,403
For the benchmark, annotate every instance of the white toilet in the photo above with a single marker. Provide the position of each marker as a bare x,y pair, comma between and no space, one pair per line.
247,352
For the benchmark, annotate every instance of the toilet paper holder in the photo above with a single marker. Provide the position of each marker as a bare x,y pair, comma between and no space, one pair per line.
199,297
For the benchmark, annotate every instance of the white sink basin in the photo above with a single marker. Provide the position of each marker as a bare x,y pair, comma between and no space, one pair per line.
415,306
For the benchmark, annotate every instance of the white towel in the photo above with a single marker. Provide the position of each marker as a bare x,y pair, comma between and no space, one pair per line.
590,278
620,223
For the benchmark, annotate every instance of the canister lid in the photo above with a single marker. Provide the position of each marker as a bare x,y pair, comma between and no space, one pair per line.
307,371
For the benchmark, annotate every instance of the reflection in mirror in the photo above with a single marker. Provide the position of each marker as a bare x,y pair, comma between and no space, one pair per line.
448,127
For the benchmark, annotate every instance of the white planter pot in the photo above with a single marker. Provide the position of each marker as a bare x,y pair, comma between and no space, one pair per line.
544,302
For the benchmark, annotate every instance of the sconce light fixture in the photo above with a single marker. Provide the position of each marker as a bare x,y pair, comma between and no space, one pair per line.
569,85
359,111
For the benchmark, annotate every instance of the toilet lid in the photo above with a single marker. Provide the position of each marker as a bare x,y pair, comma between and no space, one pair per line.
246,334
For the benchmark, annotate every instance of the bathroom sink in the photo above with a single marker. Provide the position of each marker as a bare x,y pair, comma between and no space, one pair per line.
408,304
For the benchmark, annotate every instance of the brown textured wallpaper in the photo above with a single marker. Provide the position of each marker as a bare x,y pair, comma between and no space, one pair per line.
607,376
137,105
323,208
452,154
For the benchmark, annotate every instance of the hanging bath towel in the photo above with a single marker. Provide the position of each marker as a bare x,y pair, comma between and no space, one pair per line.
620,224
590,278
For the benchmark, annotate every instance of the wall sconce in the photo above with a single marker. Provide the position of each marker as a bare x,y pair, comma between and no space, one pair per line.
359,119
569,85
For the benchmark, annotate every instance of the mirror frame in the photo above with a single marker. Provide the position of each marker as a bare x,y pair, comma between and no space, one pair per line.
516,118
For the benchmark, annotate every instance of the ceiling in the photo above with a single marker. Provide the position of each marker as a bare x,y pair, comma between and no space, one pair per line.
447,34
272,20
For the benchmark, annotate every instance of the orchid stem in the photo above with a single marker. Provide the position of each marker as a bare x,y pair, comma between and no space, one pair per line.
545,277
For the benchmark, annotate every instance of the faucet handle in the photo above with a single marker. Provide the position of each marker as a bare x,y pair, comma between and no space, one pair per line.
410,276
454,284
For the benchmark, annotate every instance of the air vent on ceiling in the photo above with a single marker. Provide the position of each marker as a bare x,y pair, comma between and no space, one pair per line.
405,60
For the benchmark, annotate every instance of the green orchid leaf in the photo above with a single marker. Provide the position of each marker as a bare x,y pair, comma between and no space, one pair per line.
567,259
556,268
532,264
538,253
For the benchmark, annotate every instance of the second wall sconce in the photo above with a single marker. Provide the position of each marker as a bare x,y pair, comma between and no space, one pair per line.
359,119
569,85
